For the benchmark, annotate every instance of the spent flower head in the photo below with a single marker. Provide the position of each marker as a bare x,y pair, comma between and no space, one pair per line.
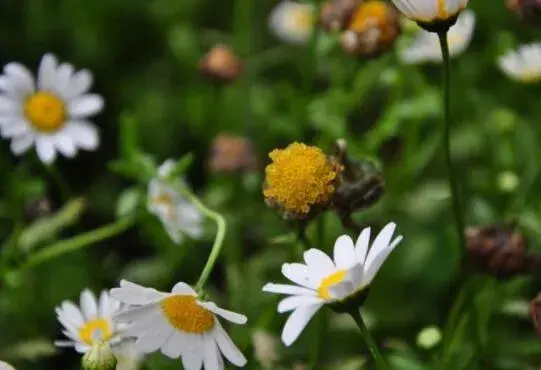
523,64
50,113
300,180
342,283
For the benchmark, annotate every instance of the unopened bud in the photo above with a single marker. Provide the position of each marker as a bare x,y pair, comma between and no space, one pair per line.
99,357
221,63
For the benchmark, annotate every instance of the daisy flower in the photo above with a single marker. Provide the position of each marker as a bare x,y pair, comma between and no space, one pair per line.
429,11
320,280
51,114
292,22
426,47
6,366
523,64
88,324
177,214
178,324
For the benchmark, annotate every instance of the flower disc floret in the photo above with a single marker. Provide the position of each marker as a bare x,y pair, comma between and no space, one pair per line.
185,314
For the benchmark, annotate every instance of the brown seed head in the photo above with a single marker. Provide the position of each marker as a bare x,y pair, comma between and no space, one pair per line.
221,63
231,153
336,14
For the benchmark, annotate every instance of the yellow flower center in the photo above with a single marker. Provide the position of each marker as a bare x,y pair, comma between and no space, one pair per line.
330,281
370,14
442,10
186,315
303,18
530,75
45,111
95,331
299,177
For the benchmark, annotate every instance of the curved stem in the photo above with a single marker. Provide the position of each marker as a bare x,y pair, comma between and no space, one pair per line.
80,241
380,362
218,240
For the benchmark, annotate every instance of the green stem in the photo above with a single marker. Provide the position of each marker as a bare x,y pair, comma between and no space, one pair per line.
453,183
380,362
62,185
80,241
218,240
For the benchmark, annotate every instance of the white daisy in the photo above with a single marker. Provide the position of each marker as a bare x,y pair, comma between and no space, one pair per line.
89,324
523,64
177,214
322,281
53,115
6,366
178,324
428,11
426,47
292,22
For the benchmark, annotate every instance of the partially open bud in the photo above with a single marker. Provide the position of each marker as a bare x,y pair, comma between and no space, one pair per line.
221,63
336,14
231,153
6,366
99,357
527,10
535,312
372,29
500,251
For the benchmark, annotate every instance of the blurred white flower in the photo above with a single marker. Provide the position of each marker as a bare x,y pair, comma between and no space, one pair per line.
264,348
523,64
177,214
426,46
127,356
53,115
292,22
322,281
89,324
6,366
428,11
178,324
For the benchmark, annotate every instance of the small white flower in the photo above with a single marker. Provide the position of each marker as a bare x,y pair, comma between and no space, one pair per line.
53,115
177,214
428,11
523,64
90,324
426,47
321,280
292,22
178,324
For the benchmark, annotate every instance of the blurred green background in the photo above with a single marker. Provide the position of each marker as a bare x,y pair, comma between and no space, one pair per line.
144,56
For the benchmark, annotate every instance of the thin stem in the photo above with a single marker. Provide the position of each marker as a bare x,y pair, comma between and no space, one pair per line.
80,241
453,183
218,241
380,362
62,185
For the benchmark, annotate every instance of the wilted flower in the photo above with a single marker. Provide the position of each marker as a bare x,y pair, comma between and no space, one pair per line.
300,180
336,14
292,22
535,312
178,324
426,46
177,214
231,154
90,324
264,348
524,64
53,115
99,357
342,283
222,63
527,10
433,15
372,30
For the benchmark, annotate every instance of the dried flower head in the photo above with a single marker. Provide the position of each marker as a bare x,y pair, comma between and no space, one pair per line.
336,14
300,180
221,63
231,153
535,312
527,10
372,30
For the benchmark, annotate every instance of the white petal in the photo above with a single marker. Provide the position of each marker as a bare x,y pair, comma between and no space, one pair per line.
82,348
344,252
318,261
298,273
45,149
65,145
104,305
72,314
21,79
373,267
136,313
15,129
85,105
288,289
47,72
143,324
297,321
183,289
154,339
227,347
231,316
293,302
8,105
341,290
134,294
89,306
211,355
84,134
381,242
174,345
63,77
361,246
64,343
192,357
79,84
21,144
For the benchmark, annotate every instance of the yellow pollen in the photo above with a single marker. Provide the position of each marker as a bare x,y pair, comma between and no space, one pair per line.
95,331
442,10
328,282
299,177
370,14
186,315
45,111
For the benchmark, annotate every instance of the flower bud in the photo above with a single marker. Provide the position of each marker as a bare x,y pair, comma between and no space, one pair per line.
221,63
231,153
535,313
99,357
336,14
